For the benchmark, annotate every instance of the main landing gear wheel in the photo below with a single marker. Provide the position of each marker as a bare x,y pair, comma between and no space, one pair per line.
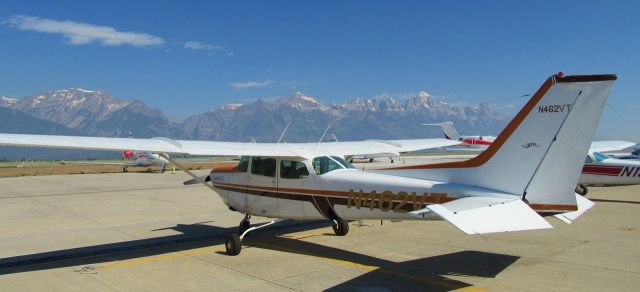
340,227
582,190
233,245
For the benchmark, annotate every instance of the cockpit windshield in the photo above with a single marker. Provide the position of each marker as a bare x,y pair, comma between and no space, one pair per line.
342,161
599,156
324,164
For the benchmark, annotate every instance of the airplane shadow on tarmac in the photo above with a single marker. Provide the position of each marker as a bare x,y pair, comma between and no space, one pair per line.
420,274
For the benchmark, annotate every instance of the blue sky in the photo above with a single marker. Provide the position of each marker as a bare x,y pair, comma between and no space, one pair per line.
187,57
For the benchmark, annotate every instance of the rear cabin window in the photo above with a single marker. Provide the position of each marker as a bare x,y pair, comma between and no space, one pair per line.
324,164
243,165
263,166
293,169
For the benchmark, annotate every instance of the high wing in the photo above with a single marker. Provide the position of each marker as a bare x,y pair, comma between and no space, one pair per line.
213,148
608,146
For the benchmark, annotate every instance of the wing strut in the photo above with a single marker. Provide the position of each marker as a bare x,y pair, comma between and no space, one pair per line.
195,178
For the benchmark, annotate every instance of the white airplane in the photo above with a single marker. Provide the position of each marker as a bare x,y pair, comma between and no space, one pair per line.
475,142
602,170
367,157
531,167
144,158
139,158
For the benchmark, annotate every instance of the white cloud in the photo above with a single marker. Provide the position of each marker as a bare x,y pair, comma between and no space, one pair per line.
193,45
83,33
250,84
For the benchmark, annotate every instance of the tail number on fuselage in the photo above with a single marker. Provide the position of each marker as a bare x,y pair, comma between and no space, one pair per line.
401,202
630,171
555,108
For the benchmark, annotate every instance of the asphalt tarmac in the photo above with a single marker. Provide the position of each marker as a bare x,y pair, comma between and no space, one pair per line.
146,231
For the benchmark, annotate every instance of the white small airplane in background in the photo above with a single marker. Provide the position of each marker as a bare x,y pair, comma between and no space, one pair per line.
602,170
531,167
451,133
140,158
367,157
144,158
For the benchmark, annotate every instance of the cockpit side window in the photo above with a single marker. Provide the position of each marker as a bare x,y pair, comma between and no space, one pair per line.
293,169
263,166
324,164
588,160
243,165
599,156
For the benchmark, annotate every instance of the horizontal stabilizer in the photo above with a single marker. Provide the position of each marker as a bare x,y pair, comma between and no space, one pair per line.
480,215
584,204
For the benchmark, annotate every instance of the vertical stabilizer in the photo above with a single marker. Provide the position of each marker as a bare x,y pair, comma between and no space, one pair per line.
540,153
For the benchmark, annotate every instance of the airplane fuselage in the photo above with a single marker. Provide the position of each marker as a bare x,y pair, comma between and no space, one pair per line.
343,193
600,170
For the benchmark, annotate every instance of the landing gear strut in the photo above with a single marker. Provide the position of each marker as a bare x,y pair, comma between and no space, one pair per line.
245,224
582,190
233,245
340,227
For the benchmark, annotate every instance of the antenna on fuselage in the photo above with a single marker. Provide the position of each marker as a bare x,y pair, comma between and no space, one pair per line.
322,137
285,130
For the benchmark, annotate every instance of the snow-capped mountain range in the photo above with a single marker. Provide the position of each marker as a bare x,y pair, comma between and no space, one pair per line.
97,113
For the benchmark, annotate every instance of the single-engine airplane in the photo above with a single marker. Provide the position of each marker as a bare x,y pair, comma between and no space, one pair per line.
475,142
533,166
602,170
139,158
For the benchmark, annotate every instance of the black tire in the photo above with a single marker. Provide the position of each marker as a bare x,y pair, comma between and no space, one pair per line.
341,227
233,245
244,225
582,190
370,159
351,160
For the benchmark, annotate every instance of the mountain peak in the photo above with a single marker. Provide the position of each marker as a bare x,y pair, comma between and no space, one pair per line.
299,100
7,101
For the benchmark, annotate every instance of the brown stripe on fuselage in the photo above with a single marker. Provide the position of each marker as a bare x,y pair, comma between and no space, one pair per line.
324,201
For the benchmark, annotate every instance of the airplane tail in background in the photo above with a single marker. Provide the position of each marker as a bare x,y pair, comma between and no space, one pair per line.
539,155
449,130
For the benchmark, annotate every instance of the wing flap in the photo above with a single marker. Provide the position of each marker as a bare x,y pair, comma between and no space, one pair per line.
480,215
583,203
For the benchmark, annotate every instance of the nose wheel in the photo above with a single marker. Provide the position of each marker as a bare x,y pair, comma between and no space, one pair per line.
233,244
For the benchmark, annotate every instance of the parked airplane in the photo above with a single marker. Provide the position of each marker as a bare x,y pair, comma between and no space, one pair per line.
602,170
531,167
367,157
139,158
476,142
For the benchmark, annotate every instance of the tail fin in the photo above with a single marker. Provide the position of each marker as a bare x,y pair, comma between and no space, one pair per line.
449,130
540,153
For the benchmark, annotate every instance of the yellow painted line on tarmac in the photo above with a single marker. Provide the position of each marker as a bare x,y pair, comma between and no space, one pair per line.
191,252
269,243
162,257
